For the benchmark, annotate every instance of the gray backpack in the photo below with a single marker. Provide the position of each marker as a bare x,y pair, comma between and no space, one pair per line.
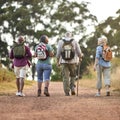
68,51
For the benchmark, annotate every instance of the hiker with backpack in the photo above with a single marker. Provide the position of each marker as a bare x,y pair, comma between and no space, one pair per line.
43,52
20,54
103,65
68,52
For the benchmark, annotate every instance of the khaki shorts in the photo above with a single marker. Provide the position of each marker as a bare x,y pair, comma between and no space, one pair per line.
20,72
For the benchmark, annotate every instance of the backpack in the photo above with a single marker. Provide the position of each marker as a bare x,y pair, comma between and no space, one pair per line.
42,51
107,53
19,50
68,51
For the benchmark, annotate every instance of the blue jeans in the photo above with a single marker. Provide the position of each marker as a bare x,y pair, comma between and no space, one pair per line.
43,72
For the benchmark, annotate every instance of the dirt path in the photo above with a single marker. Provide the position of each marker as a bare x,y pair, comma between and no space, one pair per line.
85,106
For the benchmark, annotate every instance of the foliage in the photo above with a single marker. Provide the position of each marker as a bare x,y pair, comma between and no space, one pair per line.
6,76
23,16
32,18
115,64
57,72
3,53
110,29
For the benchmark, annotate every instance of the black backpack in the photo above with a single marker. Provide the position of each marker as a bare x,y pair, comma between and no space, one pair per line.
68,51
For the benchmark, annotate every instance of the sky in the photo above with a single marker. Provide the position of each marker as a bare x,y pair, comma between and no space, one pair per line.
103,8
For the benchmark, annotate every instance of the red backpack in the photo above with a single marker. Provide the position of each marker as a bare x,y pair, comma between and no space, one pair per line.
42,51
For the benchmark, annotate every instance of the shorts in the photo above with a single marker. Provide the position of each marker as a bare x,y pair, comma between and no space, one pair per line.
20,72
43,72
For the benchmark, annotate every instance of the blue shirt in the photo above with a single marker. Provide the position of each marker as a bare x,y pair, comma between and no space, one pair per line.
100,59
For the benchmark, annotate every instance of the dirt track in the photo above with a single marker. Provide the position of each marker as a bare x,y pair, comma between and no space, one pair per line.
85,106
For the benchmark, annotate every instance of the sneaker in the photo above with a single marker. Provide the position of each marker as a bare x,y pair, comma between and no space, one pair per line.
39,93
46,91
17,93
97,95
108,93
21,94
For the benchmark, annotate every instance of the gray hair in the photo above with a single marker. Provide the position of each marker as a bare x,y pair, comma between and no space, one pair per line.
68,34
102,40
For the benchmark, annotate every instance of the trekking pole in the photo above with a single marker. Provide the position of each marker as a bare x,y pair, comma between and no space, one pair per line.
78,77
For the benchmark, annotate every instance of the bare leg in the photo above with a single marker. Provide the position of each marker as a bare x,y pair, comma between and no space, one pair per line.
46,92
99,90
107,90
18,84
39,88
21,84
47,84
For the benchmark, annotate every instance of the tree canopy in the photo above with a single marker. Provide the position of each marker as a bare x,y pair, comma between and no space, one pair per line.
32,18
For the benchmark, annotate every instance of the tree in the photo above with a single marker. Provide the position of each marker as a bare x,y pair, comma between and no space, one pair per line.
111,29
32,18
24,16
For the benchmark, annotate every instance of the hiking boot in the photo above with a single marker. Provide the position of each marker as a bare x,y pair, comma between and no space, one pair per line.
72,92
67,94
46,91
108,93
39,93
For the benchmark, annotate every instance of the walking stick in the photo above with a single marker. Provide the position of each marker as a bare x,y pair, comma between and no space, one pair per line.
78,77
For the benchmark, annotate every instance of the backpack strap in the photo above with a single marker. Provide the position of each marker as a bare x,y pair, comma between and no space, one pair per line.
67,42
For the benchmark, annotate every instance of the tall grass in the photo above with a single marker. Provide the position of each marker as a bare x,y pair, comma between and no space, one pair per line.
89,78
8,81
115,75
6,76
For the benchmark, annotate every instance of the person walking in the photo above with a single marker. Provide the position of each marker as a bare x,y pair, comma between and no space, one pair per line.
20,54
102,67
68,59
44,52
